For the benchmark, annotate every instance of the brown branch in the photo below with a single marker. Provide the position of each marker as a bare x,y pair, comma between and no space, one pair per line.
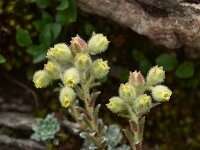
21,143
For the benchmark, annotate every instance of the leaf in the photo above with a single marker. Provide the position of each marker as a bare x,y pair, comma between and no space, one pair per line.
138,55
40,54
55,29
23,38
71,13
168,61
39,25
144,66
45,36
47,18
63,5
2,59
42,3
89,28
185,70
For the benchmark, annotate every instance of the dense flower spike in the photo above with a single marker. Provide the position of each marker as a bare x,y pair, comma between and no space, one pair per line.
67,96
60,52
82,61
71,77
41,79
115,104
161,93
99,68
53,69
156,75
97,44
127,91
78,44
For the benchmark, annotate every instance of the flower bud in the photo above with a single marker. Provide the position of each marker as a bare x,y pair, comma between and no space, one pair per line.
41,79
53,69
78,44
67,96
98,43
60,52
115,104
155,76
136,79
127,91
142,103
82,61
161,93
99,68
71,77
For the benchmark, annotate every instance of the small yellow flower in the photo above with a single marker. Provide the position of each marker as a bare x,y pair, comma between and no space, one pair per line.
161,93
53,69
115,104
156,75
143,103
99,68
82,61
71,77
41,79
59,52
67,96
127,91
98,43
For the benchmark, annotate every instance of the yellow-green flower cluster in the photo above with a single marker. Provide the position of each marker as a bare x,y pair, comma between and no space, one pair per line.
73,65
133,94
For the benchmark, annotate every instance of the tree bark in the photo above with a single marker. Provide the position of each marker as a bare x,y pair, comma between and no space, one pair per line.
172,23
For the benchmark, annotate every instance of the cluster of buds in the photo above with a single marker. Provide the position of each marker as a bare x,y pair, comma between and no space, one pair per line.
133,93
72,65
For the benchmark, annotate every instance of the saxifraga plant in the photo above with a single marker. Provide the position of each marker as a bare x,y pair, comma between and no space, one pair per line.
74,67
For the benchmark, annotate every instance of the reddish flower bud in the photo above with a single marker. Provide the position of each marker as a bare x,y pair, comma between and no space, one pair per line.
136,79
78,44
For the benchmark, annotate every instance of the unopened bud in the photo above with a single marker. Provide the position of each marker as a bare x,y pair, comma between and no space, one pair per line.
143,103
161,93
82,61
127,91
53,69
71,77
60,52
67,96
98,43
115,104
136,79
155,76
41,79
99,68
78,44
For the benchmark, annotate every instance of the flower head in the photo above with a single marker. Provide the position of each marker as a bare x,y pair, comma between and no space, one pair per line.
161,93
78,44
99,68
136,79
98,43
82,61
127,91
71,77
155,76
67,96
41,79
115,104
60,52
53,69
143,103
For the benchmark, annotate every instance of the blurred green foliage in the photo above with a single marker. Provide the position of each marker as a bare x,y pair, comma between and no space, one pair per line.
2,59
48,27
